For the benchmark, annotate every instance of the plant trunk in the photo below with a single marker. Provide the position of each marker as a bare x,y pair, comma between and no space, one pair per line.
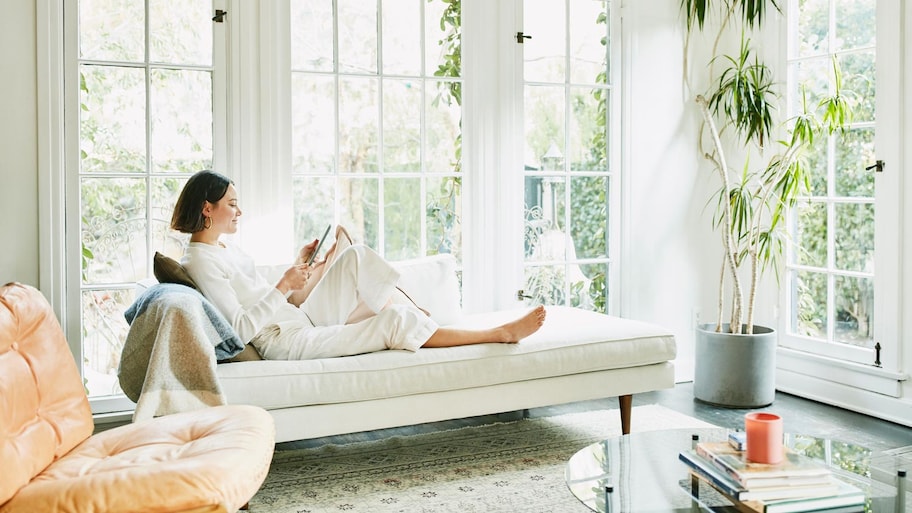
726,216
721,295
752,293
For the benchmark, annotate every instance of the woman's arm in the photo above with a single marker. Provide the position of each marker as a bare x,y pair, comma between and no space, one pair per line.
247,302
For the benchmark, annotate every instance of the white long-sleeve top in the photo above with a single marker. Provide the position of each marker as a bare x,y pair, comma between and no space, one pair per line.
228,278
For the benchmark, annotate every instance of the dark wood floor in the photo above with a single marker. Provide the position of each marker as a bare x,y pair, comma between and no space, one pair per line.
800,416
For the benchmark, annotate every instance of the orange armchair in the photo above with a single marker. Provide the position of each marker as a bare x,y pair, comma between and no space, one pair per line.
210,460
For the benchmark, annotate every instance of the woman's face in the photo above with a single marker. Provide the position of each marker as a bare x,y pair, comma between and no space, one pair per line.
224,213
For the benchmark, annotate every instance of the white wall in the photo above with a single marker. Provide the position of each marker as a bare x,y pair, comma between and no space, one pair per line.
670,249
18,144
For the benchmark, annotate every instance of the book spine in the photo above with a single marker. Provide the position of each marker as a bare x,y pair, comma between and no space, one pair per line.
707,472
719,464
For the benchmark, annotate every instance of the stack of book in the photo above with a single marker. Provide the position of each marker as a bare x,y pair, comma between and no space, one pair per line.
796,484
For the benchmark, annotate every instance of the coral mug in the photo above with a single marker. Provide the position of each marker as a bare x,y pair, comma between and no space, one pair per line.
764,437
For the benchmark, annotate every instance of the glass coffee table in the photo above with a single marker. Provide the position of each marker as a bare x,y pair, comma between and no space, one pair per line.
641,472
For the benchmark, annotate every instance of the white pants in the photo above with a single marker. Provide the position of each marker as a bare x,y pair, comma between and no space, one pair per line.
358,278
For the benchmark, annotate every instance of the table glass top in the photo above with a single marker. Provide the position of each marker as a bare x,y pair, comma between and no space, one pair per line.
645,475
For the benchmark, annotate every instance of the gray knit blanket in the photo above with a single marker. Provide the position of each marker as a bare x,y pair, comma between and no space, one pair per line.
169,358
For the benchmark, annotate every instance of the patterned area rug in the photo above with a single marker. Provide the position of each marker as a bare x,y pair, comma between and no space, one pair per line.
500,467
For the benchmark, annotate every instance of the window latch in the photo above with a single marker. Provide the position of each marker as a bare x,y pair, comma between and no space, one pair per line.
219,16
521,38
878,166
521,294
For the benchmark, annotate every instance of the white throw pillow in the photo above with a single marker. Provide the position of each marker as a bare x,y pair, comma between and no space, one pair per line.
431,282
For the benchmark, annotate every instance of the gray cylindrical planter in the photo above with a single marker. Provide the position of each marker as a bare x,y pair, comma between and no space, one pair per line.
735,371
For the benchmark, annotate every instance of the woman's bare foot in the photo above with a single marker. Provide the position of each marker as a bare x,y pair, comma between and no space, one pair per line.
509,333
521,328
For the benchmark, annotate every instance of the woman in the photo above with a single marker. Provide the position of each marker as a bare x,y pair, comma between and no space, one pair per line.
351,309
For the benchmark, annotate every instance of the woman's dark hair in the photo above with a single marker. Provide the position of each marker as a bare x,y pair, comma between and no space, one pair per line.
201,187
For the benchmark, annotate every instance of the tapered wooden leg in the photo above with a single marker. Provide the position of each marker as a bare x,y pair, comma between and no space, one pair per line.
245,507
626,403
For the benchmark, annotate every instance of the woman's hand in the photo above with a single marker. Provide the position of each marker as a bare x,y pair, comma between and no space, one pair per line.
306,251
295,278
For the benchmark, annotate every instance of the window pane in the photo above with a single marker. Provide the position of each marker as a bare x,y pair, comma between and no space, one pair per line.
112,125
854,237
545,206
544,55
816,166
856,23
854,152
858,75
442,40
854,310
592,292
113,230
104,332
444,127
810,83
811,239
401,125
402,214
181,138
111,30
357,36
809,295
544,119
313,121
588,136
164,195
813,27
313,206
588,228
358,125
183,39
588,41
401,43
312,35
358,199
546,284
444,202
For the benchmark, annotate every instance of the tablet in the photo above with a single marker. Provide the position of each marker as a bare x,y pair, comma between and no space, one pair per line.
319,245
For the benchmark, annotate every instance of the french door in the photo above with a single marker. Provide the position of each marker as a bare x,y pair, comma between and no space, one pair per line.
842,277
567,159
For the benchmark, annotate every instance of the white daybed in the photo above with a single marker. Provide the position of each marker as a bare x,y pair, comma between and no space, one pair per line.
577,355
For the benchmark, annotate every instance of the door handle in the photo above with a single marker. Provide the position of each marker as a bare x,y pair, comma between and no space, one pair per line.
878,166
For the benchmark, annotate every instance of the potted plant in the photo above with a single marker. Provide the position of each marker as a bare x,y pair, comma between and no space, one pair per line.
735,360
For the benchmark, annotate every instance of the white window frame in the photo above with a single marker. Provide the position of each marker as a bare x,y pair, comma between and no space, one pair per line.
817,369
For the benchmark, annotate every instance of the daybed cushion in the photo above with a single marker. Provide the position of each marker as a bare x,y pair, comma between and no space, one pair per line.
572,341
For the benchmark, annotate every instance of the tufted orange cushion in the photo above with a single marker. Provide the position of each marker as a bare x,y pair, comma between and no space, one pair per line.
210,460
44,411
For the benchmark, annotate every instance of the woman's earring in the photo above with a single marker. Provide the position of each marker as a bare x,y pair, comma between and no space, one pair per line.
207,223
